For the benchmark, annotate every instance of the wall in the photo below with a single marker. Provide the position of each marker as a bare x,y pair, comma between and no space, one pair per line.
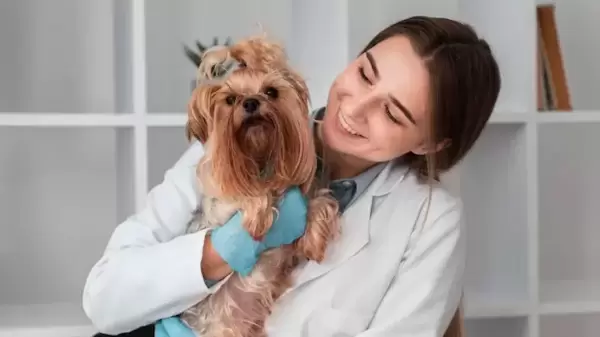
57,192
171,24
57,56
579,31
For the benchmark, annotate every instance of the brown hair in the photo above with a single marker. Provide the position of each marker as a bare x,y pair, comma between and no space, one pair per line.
465,82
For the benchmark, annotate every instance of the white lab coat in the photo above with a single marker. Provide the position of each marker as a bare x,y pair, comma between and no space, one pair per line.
390,273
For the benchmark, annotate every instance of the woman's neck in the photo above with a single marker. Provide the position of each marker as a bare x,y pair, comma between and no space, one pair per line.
338,165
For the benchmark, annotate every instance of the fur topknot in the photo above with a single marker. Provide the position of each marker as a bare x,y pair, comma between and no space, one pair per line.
256,52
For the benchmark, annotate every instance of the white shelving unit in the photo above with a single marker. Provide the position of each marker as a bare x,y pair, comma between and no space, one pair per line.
92,109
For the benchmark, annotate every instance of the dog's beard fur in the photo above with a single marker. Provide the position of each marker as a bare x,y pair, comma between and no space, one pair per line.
267,150
252,157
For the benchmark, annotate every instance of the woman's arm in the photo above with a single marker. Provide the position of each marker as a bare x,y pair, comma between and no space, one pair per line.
427,290
150,269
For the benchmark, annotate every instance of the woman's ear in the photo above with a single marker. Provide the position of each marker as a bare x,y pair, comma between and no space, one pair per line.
425,148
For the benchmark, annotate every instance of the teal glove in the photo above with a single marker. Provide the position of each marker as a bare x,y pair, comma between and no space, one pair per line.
241,252
172,327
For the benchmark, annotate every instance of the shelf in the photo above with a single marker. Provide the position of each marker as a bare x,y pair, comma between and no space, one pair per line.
493,188
490,305
50,320
178,119
50,331
66,120
568,221
166,119
564,297
497,327
59,208
500,117
567,117
580,325
14,119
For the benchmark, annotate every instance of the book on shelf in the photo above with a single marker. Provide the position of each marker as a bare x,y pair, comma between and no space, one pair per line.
552,86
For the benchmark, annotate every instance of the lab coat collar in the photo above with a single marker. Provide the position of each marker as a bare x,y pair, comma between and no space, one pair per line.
392,174
355,226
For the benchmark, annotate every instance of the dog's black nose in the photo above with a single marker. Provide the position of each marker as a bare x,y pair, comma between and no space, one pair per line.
251,105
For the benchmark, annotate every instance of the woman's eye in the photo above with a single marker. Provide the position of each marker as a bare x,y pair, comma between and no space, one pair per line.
391,116
272,92
230,100
364,77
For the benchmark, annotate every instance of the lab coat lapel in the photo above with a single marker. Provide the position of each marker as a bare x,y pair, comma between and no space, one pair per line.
355,228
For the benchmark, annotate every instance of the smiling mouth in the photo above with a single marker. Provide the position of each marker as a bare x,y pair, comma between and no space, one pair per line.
346,126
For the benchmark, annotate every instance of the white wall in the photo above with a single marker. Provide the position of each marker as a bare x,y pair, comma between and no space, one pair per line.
170,24
57,207
369,17
579,33
56,56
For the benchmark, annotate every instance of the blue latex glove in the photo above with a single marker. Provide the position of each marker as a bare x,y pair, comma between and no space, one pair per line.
241,252
172,327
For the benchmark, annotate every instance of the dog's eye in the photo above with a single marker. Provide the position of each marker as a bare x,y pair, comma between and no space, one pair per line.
230,100
272,92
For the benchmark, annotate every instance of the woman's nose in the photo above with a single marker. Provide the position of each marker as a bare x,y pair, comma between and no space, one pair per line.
356,109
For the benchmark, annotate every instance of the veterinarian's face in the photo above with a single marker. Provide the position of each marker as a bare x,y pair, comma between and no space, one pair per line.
377,108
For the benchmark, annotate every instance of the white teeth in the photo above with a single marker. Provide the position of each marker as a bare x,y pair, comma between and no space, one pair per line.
347,126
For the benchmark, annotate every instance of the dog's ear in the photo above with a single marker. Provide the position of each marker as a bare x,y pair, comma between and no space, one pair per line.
299,84
200,113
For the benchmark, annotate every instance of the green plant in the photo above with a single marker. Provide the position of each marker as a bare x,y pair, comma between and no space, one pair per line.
196,56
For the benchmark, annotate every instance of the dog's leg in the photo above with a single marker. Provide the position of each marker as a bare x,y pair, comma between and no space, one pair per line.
322,227
258,216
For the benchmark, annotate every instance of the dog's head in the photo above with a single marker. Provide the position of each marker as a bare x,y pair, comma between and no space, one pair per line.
250,109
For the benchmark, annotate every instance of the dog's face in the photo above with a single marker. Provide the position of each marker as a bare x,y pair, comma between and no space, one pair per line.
254,124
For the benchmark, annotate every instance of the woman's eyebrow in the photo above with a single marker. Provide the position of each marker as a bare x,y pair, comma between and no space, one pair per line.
394,100
402,108
373,65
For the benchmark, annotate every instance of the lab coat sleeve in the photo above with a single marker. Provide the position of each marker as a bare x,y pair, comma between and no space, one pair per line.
150,268
427,290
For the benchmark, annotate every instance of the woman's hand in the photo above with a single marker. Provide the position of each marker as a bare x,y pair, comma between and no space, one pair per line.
237,249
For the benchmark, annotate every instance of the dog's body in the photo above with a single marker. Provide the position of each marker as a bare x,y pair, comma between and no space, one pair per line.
258,143
241,305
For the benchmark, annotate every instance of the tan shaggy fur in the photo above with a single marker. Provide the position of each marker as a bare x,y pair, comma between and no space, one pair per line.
250,161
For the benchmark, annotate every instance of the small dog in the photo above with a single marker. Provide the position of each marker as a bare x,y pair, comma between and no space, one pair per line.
254,125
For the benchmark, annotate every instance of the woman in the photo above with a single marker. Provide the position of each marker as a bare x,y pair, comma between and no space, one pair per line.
407,109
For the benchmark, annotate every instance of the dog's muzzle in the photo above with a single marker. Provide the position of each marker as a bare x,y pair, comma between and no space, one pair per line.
251,105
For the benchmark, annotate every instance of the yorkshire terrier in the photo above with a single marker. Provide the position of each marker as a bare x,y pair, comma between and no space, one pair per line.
254,124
